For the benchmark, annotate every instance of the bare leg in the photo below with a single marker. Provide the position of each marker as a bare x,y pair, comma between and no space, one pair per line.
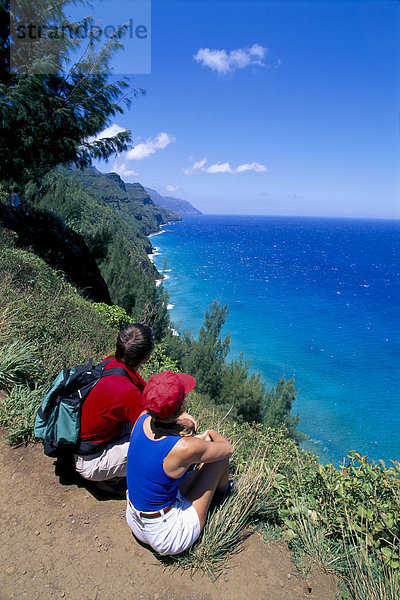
199,486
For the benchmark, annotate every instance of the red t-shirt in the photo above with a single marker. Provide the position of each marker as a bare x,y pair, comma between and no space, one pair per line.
113,402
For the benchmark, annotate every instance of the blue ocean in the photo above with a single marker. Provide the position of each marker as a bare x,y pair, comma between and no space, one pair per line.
311,298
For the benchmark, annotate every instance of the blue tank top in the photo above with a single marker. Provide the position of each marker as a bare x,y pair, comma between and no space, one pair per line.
149,487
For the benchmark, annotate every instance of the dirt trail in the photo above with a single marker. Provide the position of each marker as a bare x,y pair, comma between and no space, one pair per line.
59,541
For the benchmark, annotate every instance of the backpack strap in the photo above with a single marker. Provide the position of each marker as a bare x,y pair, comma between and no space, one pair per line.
117,371
102,364
113,371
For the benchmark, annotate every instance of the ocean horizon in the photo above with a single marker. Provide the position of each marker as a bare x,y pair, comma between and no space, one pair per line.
314,298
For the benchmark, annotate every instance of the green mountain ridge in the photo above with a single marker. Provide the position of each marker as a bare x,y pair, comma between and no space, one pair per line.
131,197
182,207
114,220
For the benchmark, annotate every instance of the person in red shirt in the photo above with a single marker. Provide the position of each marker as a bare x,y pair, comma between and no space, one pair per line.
112,407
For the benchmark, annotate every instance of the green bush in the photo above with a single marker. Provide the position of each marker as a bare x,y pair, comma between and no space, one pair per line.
3,195
114,315
158,362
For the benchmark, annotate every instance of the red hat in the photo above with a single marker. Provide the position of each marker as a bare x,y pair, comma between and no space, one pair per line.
164,392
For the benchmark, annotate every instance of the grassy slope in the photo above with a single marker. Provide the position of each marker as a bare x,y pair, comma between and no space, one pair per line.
60,247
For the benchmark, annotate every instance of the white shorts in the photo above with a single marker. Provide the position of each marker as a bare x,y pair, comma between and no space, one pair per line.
106,464
171,533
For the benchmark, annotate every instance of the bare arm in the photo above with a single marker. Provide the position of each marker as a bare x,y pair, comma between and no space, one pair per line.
198,449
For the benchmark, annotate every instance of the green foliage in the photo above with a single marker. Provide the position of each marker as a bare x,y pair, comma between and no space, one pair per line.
158,362
361,497
52,118
369,495
241,389
204,358
3,195
278,405
207,355
346,520
116,316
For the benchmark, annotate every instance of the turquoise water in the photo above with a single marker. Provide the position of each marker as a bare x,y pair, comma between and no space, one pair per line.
312,298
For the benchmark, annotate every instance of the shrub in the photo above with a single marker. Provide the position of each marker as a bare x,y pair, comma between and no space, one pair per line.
3,195
158,362
115,316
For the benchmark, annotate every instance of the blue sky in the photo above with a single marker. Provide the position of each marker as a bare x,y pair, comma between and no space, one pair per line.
261,107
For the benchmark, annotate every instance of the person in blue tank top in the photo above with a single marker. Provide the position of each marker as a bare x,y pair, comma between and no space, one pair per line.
167,505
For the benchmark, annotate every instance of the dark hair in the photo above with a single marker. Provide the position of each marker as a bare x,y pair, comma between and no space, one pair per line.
170,418
169,426
134,343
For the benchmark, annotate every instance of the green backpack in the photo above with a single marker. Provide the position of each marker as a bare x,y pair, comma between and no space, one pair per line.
58,420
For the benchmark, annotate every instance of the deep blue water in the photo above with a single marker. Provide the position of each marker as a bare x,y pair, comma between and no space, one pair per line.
312,298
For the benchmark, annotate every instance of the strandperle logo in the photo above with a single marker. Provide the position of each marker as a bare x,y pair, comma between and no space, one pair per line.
38,37
77,31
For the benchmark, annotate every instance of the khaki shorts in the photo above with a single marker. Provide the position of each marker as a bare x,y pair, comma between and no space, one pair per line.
171,533
106,464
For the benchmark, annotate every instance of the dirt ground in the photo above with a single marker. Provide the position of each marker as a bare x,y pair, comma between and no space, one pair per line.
60,541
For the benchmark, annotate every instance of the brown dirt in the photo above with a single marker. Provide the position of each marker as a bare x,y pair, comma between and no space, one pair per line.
59,541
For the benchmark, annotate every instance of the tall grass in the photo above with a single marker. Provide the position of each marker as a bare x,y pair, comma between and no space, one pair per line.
17,363
313,547
366,577
17,412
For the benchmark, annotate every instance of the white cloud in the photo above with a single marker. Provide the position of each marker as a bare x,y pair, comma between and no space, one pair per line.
219,168
254,166
197,166
172,188
224,62
225,167
107,133
150,146
120,166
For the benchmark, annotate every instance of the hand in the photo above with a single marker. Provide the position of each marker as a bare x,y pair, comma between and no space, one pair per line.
205,436
188,421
